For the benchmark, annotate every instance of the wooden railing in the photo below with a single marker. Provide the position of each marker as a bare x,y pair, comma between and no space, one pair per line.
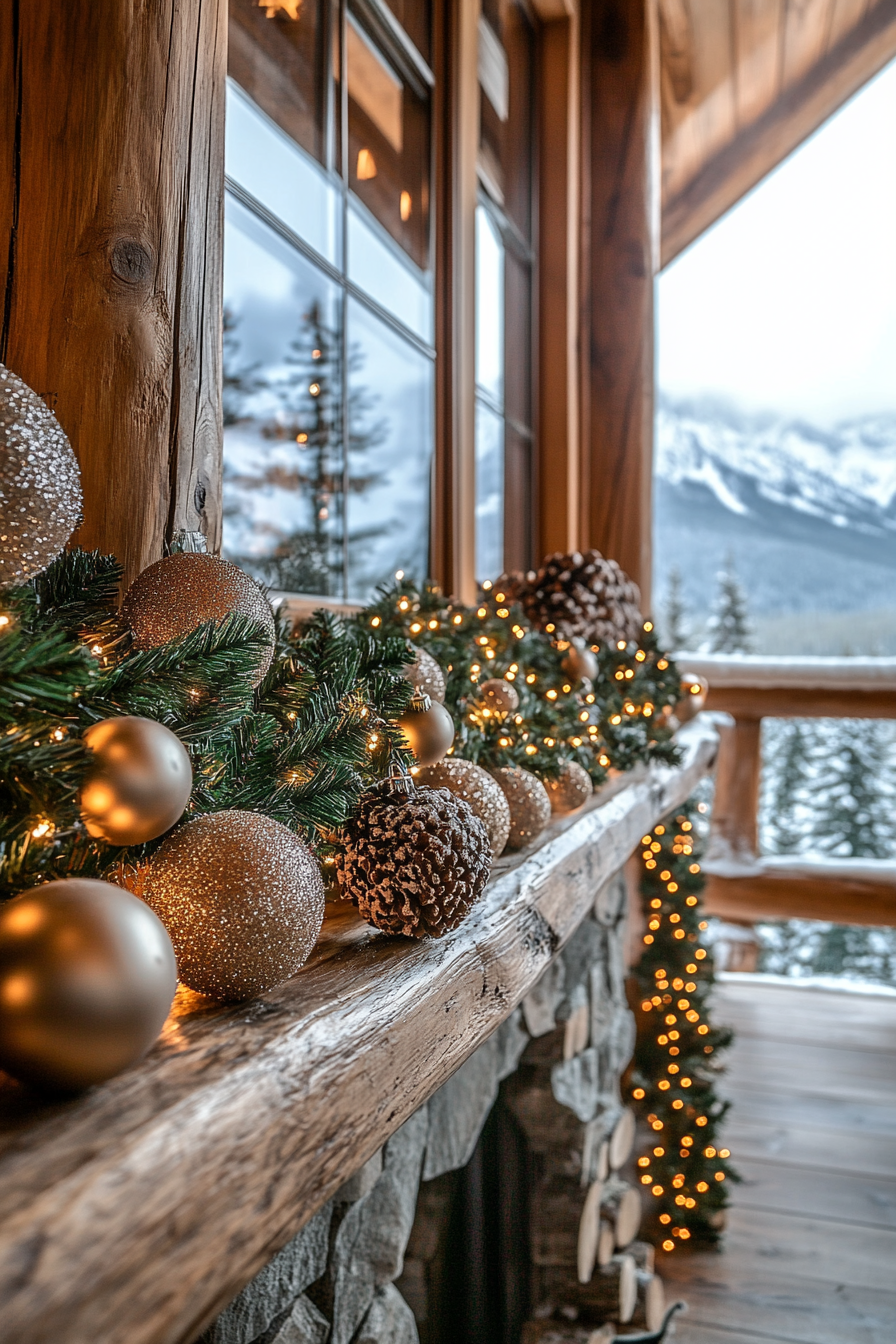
743,885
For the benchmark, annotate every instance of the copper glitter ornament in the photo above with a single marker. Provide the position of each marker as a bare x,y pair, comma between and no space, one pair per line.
428,728
499,696
139,783
414,860
480,792
579,663
530,806
243,900
87,977
183,591
40,483
571,789
426,676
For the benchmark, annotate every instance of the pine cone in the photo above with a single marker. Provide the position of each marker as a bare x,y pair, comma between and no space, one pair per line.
584,596
413,863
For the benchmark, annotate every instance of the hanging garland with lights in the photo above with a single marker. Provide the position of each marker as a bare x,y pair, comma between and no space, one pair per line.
675,1066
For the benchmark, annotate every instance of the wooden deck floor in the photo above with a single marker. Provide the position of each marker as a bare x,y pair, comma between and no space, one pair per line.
810,1252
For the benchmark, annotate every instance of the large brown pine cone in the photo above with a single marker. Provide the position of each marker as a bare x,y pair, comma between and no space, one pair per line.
413,863
584,596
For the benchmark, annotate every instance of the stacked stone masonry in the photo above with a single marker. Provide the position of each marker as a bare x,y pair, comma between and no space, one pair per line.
361,1270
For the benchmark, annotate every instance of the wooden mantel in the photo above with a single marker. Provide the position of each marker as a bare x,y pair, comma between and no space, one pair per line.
135,1213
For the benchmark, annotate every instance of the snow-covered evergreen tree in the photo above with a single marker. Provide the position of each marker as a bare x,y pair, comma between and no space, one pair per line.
853,798
676,630
728,628
786,830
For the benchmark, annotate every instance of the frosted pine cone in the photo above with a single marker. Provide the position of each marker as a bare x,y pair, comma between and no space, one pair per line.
413,863
583,596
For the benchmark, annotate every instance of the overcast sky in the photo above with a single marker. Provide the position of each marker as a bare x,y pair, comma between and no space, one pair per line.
789,302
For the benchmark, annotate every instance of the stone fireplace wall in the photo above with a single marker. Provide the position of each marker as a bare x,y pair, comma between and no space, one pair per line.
365,1269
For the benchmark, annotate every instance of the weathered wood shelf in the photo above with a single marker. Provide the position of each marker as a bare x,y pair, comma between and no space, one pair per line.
131,1215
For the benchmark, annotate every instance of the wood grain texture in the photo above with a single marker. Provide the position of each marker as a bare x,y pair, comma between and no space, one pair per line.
111,198
133,1214
844,893
735,832
621,89
782,702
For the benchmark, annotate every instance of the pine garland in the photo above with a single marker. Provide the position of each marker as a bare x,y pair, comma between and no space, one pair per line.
300,747
611,723
675,1064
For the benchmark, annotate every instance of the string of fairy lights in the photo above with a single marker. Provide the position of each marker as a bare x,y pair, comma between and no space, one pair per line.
674,1070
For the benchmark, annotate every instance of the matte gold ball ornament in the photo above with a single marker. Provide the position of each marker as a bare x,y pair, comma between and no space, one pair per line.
181,592
139,782
40,483
571,788
426,676
242,898
87,978
530,806
580,663
428,729
499,696
482,794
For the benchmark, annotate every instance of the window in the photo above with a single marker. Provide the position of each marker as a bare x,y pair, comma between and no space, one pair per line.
504,291
328,295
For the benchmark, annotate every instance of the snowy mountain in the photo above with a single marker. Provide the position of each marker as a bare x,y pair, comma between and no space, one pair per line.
808,514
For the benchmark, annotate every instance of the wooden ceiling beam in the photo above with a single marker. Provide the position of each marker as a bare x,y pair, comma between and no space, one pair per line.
798,111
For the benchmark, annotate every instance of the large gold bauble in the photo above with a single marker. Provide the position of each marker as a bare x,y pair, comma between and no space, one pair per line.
40,483
139,782
425,675
87,977
183,591
498,695
579,663
530,807
243,900
571,789
428,728
477,788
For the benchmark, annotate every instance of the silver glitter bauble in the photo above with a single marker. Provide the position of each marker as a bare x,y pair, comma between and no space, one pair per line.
499,696
243,900
183,591
425,675
571,789
479,791
40,483
530,807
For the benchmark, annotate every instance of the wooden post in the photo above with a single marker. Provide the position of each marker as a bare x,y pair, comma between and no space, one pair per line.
621,159
735,828
111,196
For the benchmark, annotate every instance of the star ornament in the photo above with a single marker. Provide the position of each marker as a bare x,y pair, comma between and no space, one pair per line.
291,8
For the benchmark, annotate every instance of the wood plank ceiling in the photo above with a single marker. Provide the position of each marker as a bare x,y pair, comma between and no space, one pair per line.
744,82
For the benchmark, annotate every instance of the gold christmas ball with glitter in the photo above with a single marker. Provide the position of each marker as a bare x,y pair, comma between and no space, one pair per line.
180,592
243,900
579,663
530,806
139,781
426,676
571,789
40,483
498,695
479,791
428,729
87,977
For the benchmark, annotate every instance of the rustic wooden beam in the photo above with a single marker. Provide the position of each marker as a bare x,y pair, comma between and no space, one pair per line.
621,91
844,891
799,109
134,1213
111,192
736,801
754,686
784,702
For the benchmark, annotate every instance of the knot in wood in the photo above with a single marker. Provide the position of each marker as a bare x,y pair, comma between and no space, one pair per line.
131,261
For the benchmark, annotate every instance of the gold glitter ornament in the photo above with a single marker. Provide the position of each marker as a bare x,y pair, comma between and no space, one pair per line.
40,483
243,900
579,663
87,977
499,696
425,675
530,806
482,794
139,782
183,591
571,789
428,729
